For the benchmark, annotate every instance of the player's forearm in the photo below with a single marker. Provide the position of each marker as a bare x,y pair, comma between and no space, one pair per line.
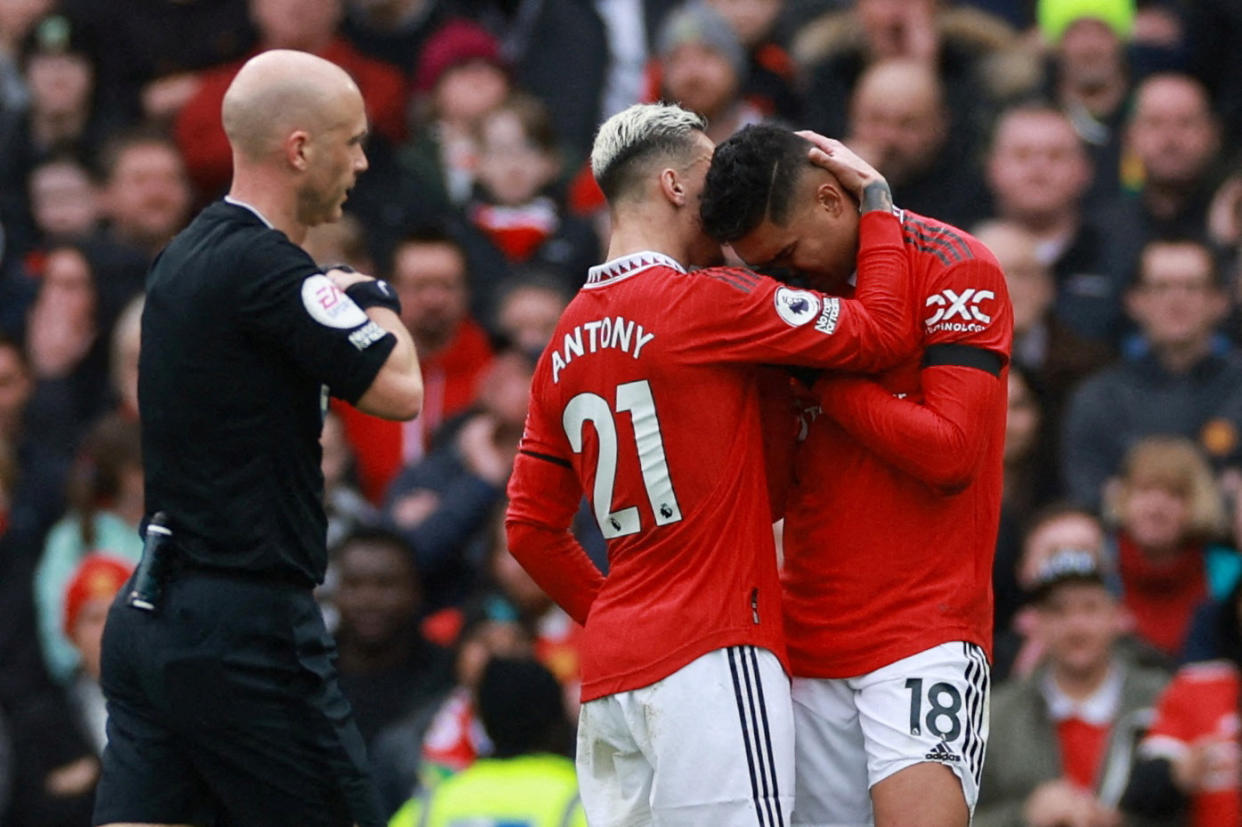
938,442
557,562
881,313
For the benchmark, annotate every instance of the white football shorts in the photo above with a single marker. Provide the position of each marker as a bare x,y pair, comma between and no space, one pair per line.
855,732
712,743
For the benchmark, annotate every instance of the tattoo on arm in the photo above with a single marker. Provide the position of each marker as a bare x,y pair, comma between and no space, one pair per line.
877,196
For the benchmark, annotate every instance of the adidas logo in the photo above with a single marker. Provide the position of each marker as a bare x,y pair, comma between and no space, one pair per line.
941,752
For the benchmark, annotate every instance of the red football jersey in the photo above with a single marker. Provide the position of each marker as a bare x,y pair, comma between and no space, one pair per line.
891,518
1201,704
647,400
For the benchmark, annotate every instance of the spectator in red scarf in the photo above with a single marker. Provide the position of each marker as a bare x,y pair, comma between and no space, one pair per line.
1168,511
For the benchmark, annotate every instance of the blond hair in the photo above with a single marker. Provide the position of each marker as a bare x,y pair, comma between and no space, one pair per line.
1177,465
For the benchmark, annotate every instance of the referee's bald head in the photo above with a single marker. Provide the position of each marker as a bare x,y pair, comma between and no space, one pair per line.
278,92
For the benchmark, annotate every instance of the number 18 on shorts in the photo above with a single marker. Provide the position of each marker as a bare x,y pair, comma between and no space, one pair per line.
853,733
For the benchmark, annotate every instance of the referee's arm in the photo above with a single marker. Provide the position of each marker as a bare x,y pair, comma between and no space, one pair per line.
396,392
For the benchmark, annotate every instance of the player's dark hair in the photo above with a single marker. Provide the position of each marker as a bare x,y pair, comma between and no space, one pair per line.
752,177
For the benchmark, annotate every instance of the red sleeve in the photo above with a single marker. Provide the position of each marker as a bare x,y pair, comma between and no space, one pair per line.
938,441
739,316
543,497
778,415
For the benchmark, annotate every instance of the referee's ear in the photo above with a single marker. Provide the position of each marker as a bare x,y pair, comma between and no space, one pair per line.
297,146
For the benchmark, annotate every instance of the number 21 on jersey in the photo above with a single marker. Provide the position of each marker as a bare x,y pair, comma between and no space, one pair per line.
634,397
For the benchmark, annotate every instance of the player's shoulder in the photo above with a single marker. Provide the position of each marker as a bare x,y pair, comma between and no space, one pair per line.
946,243
737,279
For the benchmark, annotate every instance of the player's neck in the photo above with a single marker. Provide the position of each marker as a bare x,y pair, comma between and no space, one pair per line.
639,233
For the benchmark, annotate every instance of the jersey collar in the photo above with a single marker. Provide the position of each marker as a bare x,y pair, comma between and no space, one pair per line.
626,266
231,200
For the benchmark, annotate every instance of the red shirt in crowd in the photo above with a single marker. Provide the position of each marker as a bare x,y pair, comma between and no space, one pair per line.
450,383
648,400
891,519
199,131
1201,705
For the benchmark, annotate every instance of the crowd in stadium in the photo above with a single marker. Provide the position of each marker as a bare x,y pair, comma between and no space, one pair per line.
1090,144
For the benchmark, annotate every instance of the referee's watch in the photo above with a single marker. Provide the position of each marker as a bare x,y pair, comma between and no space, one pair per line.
374,293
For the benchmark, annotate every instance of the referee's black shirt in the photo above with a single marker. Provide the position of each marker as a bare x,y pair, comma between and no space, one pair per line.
243,338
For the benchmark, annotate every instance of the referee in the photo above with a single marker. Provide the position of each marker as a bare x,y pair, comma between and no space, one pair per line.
223,701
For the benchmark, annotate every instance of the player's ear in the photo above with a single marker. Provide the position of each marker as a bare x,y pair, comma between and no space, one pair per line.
830,197
672,187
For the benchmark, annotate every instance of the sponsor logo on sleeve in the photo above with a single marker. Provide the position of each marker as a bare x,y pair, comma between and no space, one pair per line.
796,307
329,306
959,312
827,321
367,335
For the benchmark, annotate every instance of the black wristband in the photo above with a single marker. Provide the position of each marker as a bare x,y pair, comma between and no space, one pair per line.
374,293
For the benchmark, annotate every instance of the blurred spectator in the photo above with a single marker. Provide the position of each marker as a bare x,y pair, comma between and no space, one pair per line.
769,81
17,18
1062,742
66,341
1169,514
1030,483
517,216
702,65
1017,651
528,779
430,277
346,508
1189,767
1054,356
1089,77
528,307
554,632
1213,31
64,202
388,669
305,25
559,53
126,338
339,242
974,56
1178,379
630,27
62,117
461,76
899,122
59,738
441,504
1038,173
446,736
146,196
1172,140
156,49
105,495
392,30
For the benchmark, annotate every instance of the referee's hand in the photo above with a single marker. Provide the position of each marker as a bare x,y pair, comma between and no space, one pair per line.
344,279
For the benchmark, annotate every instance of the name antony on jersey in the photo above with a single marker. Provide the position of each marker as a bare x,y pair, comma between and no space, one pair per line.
616,333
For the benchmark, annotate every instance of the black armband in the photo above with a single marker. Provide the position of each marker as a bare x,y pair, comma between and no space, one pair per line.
876,196
374,293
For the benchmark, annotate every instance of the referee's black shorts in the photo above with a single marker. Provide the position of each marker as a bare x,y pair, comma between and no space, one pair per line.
224,709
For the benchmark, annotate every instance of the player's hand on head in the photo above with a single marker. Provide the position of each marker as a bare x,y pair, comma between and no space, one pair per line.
851,170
